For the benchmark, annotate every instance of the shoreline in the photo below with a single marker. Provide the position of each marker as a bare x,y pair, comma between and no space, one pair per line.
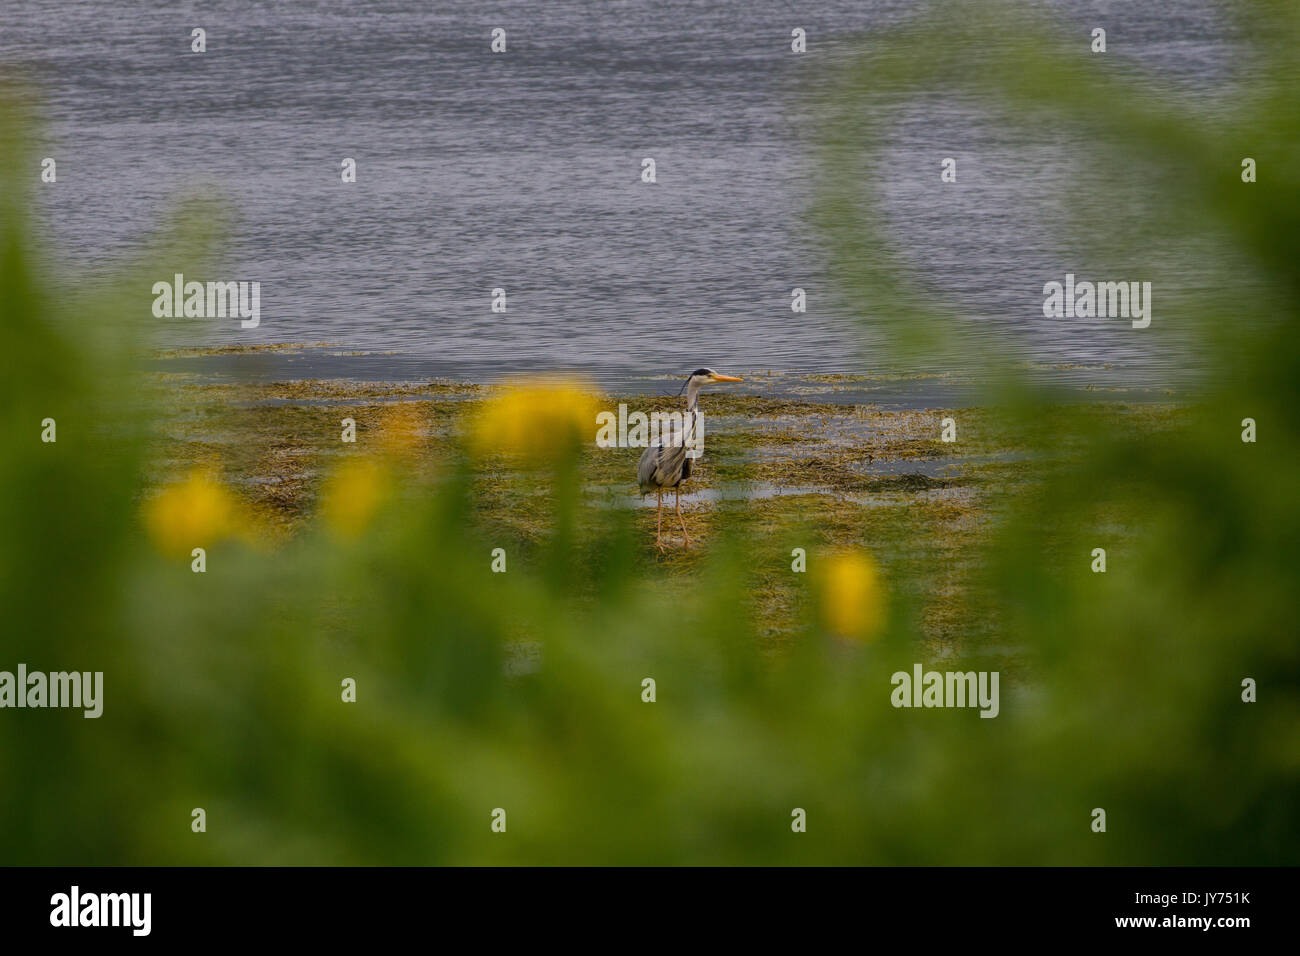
291,362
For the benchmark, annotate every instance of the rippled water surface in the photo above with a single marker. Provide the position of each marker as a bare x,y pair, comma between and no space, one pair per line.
521,171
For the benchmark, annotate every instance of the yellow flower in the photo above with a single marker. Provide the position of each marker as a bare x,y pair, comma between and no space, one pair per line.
195,513
353,495
537,419
852,597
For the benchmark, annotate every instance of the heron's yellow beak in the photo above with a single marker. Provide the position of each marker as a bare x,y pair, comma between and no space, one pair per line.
726,378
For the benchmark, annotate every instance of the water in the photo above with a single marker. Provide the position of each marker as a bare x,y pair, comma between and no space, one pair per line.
521,171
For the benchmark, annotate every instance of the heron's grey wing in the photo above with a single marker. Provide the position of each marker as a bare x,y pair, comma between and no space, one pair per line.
660,466
645,468
668,469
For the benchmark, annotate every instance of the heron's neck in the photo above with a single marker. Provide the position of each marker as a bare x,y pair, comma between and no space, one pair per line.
692,396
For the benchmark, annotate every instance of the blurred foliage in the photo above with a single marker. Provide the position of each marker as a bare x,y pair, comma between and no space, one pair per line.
522,690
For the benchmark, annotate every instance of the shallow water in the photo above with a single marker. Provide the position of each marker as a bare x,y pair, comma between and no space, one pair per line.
614,496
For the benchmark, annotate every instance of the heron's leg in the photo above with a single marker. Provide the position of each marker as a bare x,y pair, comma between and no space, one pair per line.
659,525
680,519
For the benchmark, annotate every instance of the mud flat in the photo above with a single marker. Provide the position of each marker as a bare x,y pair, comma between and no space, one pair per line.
809,462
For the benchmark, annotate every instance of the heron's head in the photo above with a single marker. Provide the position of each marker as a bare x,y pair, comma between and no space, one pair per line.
706,376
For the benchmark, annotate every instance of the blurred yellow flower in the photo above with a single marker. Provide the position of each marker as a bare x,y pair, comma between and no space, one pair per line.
400,428
852,596
537,419
353,495
195,513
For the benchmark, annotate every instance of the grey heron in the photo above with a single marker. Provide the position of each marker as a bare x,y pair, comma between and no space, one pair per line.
666,463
